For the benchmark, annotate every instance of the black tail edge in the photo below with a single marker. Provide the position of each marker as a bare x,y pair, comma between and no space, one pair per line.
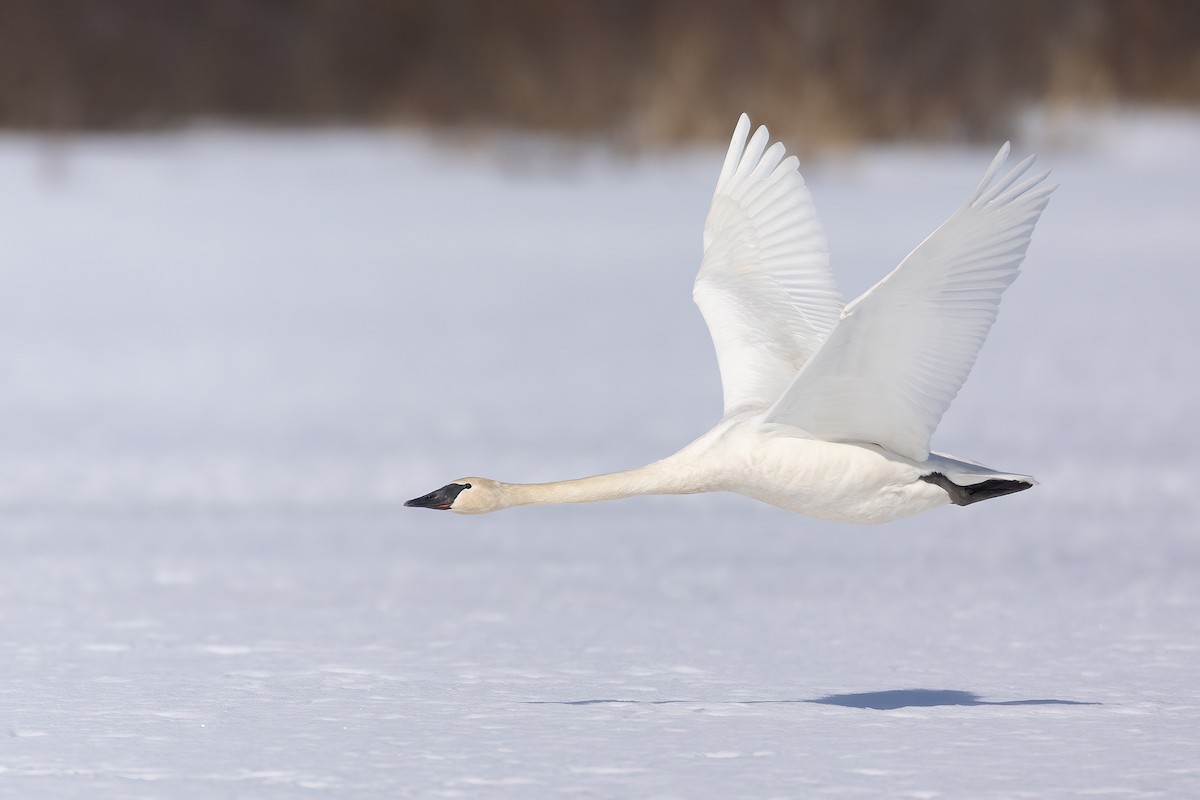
974,492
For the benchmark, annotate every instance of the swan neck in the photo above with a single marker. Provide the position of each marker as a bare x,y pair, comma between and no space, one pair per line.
651,479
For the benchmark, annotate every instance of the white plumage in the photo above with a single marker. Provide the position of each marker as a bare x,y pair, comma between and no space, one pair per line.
764,285
829,409
899,354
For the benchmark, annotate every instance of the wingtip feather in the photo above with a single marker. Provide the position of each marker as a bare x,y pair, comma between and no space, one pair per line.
753,151
997,162
996,188
737,145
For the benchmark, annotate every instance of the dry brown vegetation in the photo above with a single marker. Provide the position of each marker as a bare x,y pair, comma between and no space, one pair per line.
650,71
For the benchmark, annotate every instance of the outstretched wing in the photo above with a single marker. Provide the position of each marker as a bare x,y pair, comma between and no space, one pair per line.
899,354
764,285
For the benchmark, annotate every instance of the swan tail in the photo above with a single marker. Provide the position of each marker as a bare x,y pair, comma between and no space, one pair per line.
967,482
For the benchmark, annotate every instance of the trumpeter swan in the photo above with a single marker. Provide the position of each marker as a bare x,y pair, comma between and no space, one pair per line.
829,408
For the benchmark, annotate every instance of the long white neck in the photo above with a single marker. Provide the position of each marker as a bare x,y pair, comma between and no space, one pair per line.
656,478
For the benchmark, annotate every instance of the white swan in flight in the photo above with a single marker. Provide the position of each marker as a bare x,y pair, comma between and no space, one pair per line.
829,408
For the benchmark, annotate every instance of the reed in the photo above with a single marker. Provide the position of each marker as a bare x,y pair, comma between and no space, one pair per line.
638,72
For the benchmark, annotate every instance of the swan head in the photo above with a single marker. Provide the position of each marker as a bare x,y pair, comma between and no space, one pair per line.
465,496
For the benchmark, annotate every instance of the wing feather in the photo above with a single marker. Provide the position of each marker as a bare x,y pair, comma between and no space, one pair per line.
889,369
764,285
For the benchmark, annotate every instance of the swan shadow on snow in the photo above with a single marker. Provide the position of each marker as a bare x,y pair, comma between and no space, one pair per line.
926,698
878,701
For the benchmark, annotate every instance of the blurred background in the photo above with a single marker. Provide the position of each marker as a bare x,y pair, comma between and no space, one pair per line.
635,72
269,268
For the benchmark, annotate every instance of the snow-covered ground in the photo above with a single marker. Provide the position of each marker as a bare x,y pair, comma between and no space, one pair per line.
226,359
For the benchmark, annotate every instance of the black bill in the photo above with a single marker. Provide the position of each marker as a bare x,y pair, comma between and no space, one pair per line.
440,499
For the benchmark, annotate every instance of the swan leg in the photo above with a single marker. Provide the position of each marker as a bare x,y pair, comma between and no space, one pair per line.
974,492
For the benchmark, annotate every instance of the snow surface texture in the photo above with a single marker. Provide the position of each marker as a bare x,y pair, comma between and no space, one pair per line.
227,358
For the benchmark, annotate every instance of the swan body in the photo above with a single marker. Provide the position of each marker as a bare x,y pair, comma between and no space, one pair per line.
829,408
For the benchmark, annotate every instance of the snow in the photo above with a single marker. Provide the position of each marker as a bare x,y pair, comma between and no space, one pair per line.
227,357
